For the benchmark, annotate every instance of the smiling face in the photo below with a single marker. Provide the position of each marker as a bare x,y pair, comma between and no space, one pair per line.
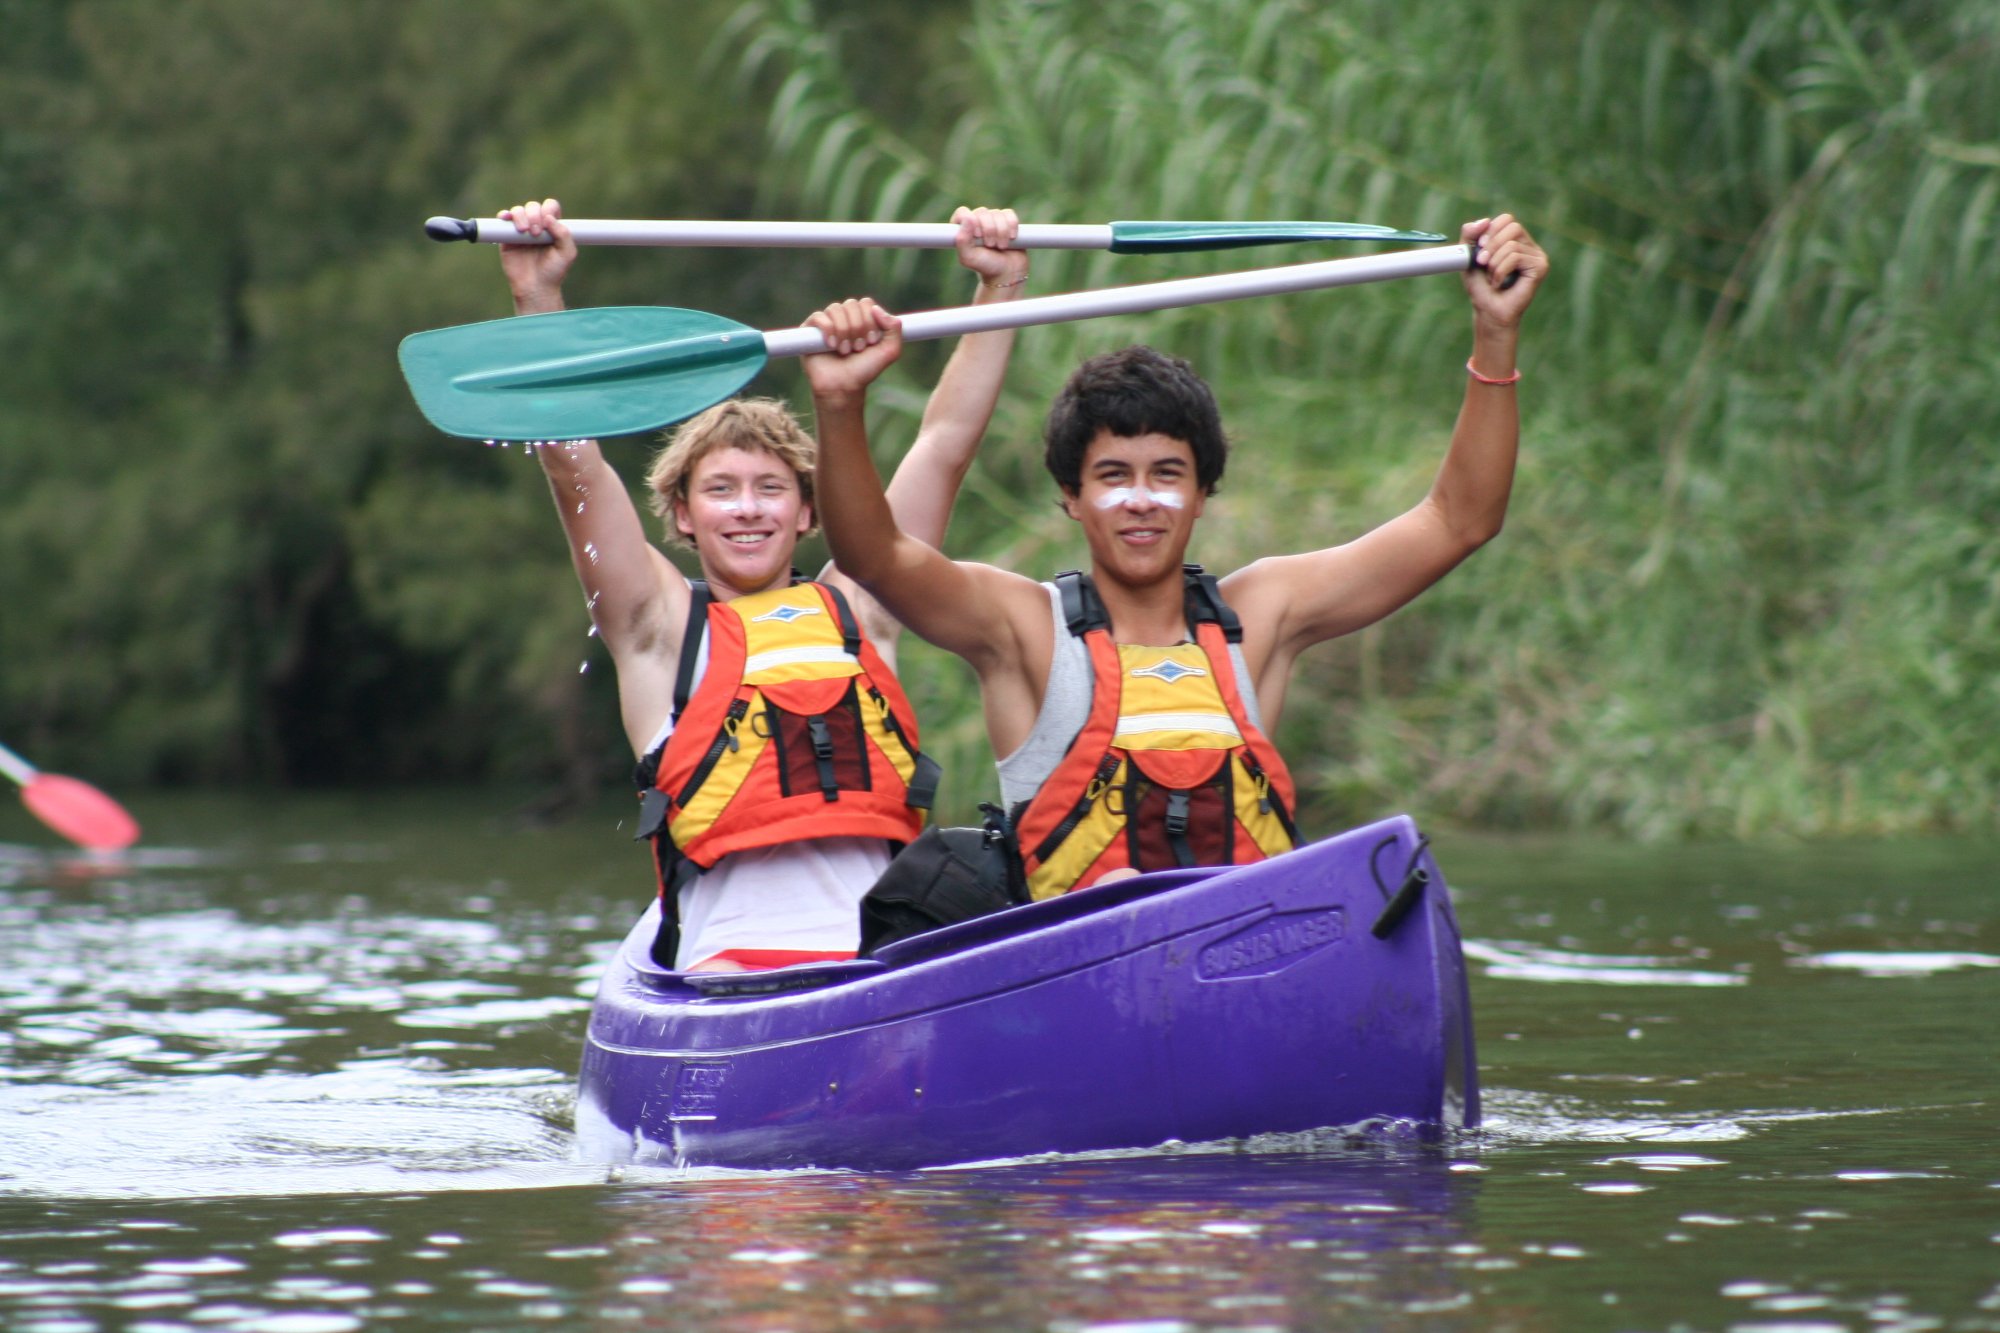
1137,502
745,513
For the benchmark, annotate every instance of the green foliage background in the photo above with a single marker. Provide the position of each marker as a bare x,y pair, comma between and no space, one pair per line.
1751,576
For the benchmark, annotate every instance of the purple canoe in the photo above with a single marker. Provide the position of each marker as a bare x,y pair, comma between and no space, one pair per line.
1321,988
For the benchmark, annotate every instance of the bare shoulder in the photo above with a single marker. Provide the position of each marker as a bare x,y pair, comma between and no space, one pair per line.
645,614
1261,592
1308,598
1019,600
979,612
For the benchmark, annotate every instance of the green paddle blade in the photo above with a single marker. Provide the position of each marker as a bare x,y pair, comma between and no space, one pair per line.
578,374
1162,238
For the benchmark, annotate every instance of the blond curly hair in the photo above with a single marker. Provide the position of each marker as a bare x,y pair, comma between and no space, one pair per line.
754,424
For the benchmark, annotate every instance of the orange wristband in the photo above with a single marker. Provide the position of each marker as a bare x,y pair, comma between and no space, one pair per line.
1488,379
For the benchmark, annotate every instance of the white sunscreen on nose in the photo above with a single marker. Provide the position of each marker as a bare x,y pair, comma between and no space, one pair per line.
1138,497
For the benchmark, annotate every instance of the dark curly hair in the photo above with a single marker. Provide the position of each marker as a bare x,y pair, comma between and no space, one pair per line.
1129,392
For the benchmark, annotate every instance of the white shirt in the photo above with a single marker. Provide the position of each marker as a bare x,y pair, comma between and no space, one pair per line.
802,896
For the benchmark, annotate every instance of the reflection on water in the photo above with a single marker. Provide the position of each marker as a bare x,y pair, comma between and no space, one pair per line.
307,1066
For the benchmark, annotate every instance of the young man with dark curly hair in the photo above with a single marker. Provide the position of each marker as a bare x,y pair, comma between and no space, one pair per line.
1131,705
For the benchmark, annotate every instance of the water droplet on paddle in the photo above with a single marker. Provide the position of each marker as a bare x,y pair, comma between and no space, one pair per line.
582,667
590,550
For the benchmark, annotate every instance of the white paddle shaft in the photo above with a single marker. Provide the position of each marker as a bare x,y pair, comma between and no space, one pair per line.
16,767
850,235
1149,296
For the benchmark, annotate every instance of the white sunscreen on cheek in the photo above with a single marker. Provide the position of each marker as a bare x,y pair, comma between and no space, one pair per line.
1138,497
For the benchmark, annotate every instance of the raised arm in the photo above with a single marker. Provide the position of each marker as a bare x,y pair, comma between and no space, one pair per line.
1291,602
926,481
976,611
635,596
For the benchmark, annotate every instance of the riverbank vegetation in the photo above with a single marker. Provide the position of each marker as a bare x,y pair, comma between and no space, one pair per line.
1751,576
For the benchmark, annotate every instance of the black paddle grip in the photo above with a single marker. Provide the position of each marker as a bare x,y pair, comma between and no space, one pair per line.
1505,283
452,229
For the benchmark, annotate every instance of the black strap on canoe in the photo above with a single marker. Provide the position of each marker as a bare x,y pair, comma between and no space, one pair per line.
1415,880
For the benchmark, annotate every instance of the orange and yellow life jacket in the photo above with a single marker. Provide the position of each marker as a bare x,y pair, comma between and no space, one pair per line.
1167,770
797,730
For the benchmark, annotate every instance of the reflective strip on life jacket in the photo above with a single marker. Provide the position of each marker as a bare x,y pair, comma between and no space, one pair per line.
767,664
1175,725
1167,768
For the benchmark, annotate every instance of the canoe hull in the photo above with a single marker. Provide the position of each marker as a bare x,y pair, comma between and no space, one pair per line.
1187,1005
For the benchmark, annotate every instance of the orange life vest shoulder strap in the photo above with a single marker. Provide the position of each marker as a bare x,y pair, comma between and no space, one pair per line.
1046,818
1216,627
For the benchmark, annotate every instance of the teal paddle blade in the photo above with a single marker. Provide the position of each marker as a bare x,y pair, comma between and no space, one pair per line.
578,374
1162,238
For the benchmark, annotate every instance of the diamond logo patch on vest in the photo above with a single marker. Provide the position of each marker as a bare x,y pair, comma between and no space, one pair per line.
1168,670
787,614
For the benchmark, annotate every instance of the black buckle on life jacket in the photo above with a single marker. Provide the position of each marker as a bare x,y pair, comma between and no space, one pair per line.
1268,799
822,743
725,741
1107,767
1177,827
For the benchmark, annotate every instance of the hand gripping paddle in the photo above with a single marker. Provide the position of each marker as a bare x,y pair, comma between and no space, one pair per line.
617,370
1124,238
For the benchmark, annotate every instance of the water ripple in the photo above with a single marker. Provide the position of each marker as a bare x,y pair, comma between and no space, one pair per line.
1515,961
1896,964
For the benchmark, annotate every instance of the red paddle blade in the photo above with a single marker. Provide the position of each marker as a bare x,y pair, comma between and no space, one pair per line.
80,812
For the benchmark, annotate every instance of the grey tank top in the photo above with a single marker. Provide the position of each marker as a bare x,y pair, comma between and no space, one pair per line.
1066,707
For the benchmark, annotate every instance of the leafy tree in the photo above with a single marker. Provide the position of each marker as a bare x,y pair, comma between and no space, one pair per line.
1749,583
1749,578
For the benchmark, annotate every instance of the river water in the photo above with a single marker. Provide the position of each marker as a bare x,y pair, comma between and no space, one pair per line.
304,1066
